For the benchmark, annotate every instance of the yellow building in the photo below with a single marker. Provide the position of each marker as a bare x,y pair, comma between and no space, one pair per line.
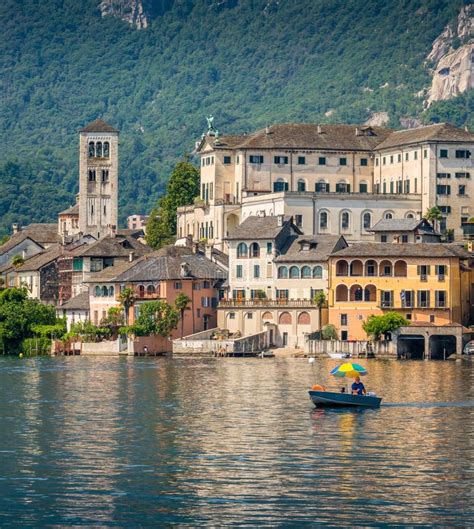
426,283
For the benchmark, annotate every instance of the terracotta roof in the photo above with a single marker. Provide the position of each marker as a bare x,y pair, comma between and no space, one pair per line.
223,142
79,302
402,225
311,136
98,126
111,272
41,234
73,210
119,246
437,132
254,228
42,259
321,246
381,249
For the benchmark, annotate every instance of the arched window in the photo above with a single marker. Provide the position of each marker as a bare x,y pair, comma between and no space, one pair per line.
356,293
242,250
285,318
150,289
294,272
106,149
98,149
304,318
321,186
342,268
280,185
318,272
282,272
255,249
91,149
388,215
306,272
367,220
105,291
410,216
345,220
91,175
342,294
323,220
370,293
301,185
98,291
111,291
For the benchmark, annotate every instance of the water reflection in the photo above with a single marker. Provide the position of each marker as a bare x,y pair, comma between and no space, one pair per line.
237,441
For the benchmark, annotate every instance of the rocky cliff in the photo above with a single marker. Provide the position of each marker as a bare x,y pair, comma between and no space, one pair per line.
131,11
452,57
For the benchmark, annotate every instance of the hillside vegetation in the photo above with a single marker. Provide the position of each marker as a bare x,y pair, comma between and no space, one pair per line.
249,63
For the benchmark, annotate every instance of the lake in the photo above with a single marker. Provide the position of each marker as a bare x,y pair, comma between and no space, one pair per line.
147,442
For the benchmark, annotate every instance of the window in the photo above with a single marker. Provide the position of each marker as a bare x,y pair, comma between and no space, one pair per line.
399,158
425,153
306,272
345,220
321,187
301,160
91,149
98,149
344,336
404,238
391,188
443,175
383,238
323,220
391,158
269,247
384,160
385,188
92,175
105,175
98,292
238,271
256,271
301,186
423,272
376,162
282,272
462,189
445,209
294,272
322,160
423,300
386,270
237,160
363,187
407,187
462,175
364,162
280,160
249,315
242,250
342,187
254,250
342,161
344,319
440,271
299,220
206,284
415,155
386,298
231,315
280,185
197,286
227,160
399,186
178,285
254,158
281,294
443,153
407,157
367,220
317,272
463,153
388,215
443,190
106,149
416,185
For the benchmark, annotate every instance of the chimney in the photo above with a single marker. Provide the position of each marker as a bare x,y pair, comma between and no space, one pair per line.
267,130
357,131
320,130
466,128
23,254
279,220
16,228
208,251
195,247
131,256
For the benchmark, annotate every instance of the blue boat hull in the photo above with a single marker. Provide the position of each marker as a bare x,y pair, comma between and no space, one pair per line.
329,398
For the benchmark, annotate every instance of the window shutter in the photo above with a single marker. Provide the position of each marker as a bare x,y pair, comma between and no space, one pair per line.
428,270
418,270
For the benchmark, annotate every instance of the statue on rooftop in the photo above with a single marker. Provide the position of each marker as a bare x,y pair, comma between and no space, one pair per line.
210,124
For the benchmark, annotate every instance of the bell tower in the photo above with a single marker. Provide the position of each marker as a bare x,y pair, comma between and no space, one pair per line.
98,179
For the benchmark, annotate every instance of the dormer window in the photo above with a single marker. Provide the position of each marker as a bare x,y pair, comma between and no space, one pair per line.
305,246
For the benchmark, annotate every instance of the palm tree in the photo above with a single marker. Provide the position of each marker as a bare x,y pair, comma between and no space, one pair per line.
127,300
181,303
433,215
319,300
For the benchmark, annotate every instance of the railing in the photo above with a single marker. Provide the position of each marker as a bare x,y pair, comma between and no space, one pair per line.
423,277
266,303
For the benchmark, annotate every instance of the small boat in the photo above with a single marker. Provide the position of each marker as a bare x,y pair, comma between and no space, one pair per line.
339,356
333,398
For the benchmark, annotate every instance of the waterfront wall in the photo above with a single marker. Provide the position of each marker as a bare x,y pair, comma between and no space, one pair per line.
201,344
361,348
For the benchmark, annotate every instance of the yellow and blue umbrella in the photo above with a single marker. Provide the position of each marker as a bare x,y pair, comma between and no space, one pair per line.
349,370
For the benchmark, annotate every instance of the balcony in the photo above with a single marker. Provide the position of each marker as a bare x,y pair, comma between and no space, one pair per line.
423,277
266,303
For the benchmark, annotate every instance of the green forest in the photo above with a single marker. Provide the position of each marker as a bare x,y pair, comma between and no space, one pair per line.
249,63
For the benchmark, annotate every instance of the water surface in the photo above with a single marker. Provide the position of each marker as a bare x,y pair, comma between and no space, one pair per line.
149,442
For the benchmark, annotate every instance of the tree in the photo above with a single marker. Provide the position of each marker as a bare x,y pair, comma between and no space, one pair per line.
183,187
17,261
127,300
114,320
155,318
329,332
375,326
433,215
182,304
320,301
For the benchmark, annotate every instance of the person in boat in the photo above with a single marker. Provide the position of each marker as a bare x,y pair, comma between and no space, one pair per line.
343,389
357,387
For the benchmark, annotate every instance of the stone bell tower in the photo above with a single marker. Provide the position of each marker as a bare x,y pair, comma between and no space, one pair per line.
98,179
